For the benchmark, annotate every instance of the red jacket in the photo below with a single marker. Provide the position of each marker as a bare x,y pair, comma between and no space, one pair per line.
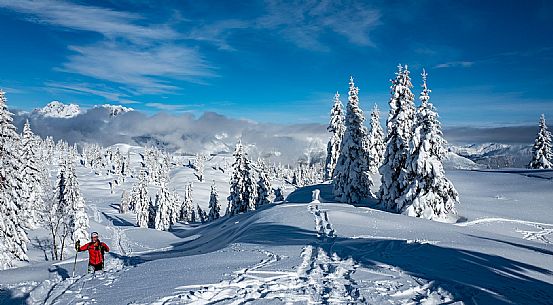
95,252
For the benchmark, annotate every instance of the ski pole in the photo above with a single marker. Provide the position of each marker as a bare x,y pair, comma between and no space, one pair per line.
74,264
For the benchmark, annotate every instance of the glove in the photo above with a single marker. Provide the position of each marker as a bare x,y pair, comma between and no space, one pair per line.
77,245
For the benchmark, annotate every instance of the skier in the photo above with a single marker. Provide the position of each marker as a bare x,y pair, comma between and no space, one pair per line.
96,250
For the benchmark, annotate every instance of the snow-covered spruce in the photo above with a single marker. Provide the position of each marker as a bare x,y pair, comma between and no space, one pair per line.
199,165
187,212
141,200
71,206
376,141
125,202
336,127
242,189
201,215
400,128
352,179
163,208
264,189
279,197
31,176
542,155
429,194
214,206
13,238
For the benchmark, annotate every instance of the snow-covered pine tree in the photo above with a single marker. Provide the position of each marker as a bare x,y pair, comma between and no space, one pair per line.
163,208
175,208
352,179
70,204
376,141
125,202
279,197
242,192
13,238
199,165
214,206
337,128
429,193
141,200
126,169
264,189
201,215
187,213
78,219
400,129
31,177
542,154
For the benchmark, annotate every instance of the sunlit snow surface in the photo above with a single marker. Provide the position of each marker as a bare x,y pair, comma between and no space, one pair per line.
500,252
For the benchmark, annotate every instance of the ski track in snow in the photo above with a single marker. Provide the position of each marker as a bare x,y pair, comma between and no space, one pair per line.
322,278
544,233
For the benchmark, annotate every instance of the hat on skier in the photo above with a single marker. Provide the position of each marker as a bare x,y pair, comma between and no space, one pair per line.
93,234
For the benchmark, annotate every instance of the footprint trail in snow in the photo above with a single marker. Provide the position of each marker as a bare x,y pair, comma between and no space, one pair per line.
322,278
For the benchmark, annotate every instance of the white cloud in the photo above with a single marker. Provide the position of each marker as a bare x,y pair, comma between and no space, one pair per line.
456,64
304,22
109,23
169,107
85,88
145,69
143,57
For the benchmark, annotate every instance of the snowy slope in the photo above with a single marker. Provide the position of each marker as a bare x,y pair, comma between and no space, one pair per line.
499,254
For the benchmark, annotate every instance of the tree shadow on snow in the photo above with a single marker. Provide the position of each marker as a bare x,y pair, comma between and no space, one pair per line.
118,221
536,249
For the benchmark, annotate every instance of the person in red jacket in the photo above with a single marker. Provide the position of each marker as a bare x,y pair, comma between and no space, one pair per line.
96,250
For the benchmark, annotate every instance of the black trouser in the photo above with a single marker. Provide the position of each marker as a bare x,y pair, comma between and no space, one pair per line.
95,267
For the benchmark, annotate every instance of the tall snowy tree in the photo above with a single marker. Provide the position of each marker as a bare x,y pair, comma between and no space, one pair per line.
201,215
187,213
214,206
125,202
429,193
376,141
400,129
141,200
352,179
542,155
163,208
31,176
264,189
199,165
13,238
242,191
75,204
337,128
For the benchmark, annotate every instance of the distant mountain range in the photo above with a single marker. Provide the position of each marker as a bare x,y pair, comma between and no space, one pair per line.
214,133
56,109
496,155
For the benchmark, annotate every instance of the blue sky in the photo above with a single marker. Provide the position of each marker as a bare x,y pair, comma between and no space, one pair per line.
489,62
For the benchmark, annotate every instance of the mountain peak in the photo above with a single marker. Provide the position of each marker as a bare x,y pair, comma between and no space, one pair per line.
57,109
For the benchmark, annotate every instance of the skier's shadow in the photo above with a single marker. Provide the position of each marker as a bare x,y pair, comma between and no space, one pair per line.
60,271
